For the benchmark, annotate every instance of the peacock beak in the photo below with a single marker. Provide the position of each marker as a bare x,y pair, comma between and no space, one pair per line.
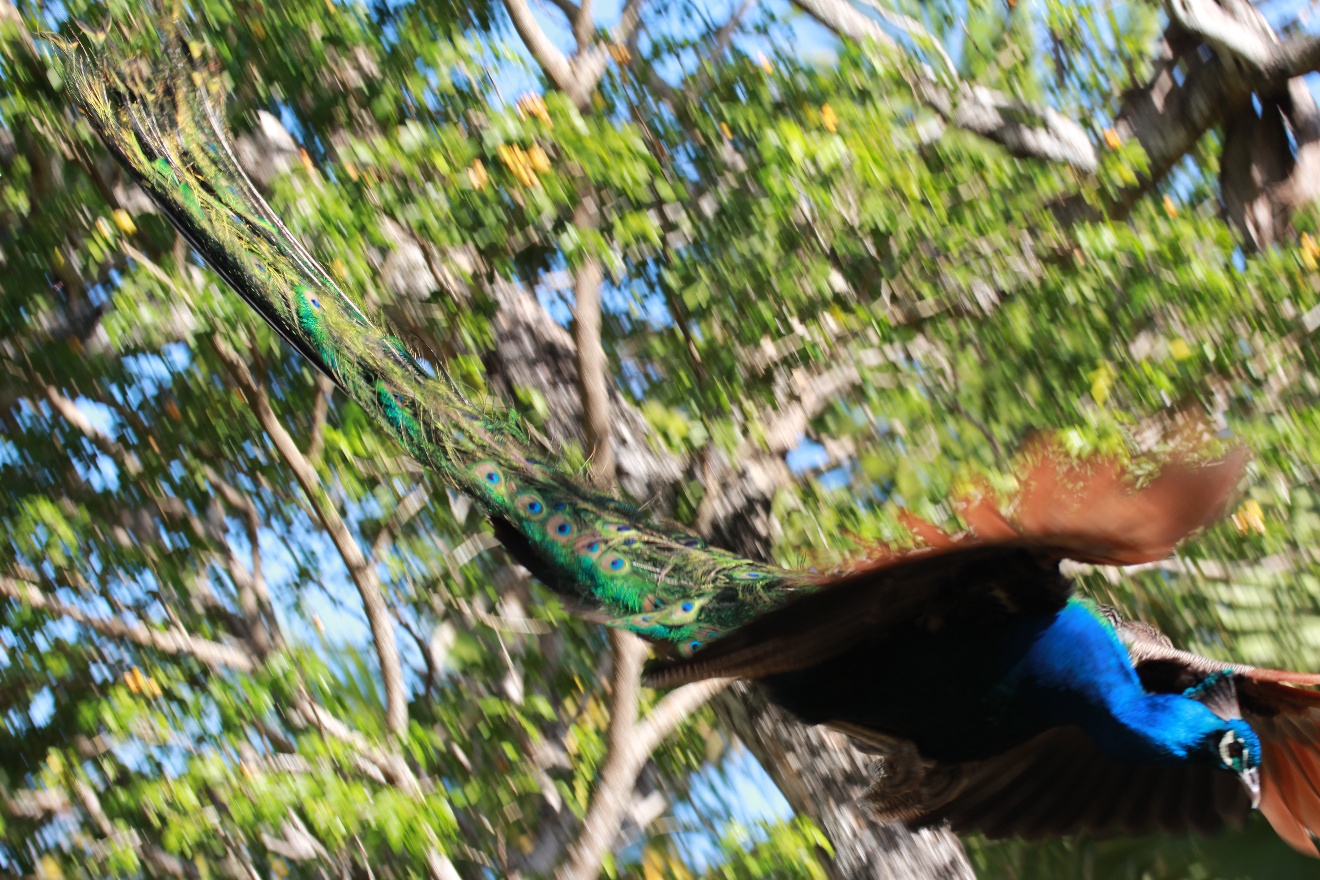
1251,779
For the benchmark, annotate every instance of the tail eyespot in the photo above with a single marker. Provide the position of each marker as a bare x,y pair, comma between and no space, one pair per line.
488,474
531,506
588,545
559,528
613,563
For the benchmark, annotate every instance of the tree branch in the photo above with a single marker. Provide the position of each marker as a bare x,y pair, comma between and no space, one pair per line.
676,707
74,416
359,567
618,773
170,641
384,766
593,369
253,597
1238,29
629,744
982,111
815,392
576,78
325,389
553,63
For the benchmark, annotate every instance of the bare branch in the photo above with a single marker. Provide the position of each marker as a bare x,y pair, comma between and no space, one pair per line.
76,417
377,763
1238,29
579,77
982,111
676,707
439,867
170,641
1296,57
629,745
36,803
995,117
1240,32
325,388
555,66
359,567
815,391
593,368
569,8
623,761
916,30
840,17
253,596
583,25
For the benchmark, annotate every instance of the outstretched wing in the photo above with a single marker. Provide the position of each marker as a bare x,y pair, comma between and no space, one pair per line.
1287,720
1284,716
1061,783
976,585
1067,509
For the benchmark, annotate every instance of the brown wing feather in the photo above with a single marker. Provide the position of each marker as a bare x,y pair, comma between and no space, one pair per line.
1285,717
1169,669
982,583
1087,506
1061,782
1287,720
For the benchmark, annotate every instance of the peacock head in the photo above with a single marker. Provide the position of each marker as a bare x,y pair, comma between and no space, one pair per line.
1236,748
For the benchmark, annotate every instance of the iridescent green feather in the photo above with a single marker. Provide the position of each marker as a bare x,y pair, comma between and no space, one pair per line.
659,581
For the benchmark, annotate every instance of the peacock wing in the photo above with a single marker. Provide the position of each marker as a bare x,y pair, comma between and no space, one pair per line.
1087,506
980,585
1284,716
1060,783
1287,720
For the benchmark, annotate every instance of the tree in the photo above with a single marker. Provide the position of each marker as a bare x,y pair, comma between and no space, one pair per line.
909,252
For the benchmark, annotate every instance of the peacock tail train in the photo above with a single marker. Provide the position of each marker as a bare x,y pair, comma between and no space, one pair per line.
164,123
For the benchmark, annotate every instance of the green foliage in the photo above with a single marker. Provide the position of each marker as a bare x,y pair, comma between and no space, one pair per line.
775,229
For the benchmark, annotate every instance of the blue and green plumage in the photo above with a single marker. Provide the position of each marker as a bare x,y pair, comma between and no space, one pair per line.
1004,702
597,549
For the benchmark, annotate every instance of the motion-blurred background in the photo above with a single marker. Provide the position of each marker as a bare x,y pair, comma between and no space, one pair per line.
839,256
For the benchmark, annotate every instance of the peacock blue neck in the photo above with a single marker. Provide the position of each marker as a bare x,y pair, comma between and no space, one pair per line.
1081,669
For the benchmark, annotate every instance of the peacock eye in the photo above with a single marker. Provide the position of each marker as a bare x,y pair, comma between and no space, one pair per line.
559,528
614,563
1233,752
531,506
489,473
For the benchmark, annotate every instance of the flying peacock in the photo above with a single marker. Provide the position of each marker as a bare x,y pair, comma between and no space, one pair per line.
1001,701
